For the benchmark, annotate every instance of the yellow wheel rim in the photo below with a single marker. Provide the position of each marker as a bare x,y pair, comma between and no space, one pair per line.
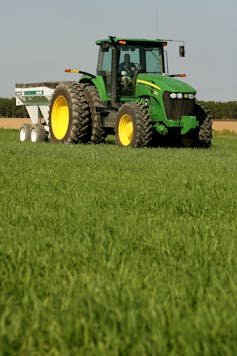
125,130
60,117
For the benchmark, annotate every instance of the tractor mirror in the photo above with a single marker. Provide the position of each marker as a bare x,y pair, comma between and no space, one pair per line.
181,51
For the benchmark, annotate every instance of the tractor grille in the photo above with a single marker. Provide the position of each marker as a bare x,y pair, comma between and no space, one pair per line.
176,108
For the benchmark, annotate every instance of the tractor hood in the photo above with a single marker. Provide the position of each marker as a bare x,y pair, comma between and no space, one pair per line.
164,83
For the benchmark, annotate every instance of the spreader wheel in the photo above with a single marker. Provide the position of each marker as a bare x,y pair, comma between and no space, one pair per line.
38,133
24,132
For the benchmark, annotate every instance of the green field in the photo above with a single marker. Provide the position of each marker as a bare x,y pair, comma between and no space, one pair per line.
110,251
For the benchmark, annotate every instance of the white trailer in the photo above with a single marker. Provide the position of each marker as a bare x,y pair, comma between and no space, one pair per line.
36,98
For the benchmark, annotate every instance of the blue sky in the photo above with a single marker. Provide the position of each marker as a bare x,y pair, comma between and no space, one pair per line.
38,39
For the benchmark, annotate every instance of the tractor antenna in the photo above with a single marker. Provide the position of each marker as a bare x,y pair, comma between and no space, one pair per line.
156,23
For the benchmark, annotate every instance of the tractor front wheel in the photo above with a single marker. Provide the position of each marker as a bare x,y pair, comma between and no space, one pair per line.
133,126
205,126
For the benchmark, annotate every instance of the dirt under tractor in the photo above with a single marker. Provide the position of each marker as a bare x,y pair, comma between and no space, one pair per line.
132,96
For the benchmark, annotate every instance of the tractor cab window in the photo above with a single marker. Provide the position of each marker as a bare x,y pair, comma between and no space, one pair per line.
104,65
154,60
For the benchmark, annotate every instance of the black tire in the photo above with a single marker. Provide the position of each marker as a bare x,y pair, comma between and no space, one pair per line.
24,132
38,133
204,135
188,140
97,130
133,126
69,114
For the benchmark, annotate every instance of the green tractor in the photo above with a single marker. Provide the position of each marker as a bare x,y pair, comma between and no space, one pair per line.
131,96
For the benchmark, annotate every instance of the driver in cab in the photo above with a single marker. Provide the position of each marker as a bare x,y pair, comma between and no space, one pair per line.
127,66
127,70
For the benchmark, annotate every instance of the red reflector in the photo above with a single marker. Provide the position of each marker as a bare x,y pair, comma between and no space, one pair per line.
68,70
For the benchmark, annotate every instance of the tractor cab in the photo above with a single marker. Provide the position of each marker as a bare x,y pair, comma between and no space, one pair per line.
120,61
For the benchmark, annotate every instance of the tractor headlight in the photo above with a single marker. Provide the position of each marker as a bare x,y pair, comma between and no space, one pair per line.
179,96
173,95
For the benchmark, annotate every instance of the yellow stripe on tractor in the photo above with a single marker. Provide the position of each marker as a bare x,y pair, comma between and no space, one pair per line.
140,81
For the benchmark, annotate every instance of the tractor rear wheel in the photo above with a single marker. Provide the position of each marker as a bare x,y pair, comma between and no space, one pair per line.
133,127
205,126
97,134
69,114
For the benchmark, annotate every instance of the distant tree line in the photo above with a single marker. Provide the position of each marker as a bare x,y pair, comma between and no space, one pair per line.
218,110
8,108
221,110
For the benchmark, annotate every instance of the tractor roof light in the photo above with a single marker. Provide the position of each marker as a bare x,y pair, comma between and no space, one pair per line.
122,42
179,96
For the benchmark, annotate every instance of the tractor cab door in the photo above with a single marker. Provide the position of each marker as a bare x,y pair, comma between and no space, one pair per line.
119,64
128,66
104,67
